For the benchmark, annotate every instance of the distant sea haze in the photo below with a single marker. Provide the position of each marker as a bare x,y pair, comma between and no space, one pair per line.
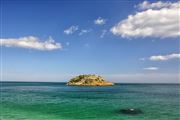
117,78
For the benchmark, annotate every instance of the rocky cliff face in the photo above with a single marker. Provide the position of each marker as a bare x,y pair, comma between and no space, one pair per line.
89,80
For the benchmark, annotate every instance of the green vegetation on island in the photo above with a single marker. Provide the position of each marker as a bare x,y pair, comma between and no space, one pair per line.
89,80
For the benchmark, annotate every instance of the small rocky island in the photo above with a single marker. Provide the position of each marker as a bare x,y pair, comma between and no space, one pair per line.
89,80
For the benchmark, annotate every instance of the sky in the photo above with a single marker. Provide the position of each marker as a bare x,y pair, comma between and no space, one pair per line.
125,41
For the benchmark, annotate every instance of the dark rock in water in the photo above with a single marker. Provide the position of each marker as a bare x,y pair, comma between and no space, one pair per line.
131,111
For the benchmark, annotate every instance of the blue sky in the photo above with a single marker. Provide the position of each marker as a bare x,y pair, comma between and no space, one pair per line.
54,40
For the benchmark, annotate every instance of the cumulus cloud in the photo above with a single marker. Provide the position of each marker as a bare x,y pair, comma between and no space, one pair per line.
31,42
157,19
100,21
84,31
157,5
71,30
151,68
164,57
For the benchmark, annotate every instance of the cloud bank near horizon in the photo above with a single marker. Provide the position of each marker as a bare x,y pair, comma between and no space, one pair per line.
144,78
117,78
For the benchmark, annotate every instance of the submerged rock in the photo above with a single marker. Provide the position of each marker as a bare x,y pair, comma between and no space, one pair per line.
131,111
89,80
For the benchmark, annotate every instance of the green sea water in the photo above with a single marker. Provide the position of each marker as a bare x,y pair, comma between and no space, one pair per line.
56,101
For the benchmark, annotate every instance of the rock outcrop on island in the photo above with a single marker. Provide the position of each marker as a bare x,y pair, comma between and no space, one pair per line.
89,80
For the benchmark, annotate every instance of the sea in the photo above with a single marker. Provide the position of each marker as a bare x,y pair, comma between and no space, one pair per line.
57,101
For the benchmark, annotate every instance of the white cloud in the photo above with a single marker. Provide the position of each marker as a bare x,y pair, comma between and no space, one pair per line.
147,5
31,42
151,22
103,33
100,21
71,30
151,68
84,31
165,57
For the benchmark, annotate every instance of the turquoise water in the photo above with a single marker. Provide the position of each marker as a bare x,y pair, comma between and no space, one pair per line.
56,101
